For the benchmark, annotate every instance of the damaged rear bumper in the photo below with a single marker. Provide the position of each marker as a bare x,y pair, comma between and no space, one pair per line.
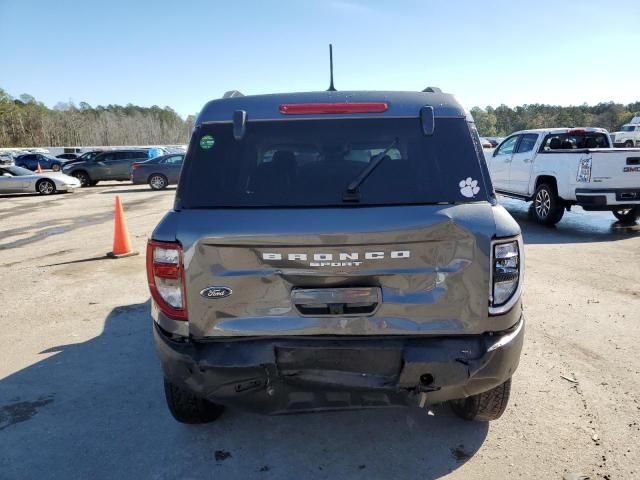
310,374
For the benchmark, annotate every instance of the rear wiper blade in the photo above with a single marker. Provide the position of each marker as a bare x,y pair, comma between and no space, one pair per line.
352,194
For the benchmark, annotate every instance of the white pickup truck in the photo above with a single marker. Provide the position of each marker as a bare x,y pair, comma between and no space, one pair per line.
629,134
561,167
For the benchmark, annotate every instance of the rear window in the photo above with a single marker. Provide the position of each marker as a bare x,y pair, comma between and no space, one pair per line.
567,141
307,163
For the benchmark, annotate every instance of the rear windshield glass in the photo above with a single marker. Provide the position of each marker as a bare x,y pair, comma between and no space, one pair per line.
311,163
566,141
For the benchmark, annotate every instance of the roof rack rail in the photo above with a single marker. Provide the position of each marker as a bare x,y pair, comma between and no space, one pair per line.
432,90
232,94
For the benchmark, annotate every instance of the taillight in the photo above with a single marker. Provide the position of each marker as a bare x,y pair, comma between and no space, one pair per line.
165,274
342,107
135,166
506,275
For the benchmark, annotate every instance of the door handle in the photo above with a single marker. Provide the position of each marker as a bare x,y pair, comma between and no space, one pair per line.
508,160
527,160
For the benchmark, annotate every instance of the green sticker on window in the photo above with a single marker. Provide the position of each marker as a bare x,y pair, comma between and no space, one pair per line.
206,142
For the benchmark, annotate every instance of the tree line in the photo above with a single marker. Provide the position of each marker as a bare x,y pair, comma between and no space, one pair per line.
26,122
503,120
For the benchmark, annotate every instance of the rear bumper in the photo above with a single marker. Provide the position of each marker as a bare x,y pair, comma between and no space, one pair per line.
605,197
311,374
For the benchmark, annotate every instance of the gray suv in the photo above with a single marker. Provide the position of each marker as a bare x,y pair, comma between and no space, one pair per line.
336,250
107,165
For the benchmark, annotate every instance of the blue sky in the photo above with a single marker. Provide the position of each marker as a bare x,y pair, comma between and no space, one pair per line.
182,53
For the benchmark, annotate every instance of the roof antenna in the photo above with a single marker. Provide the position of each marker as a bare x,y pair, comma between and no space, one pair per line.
331,87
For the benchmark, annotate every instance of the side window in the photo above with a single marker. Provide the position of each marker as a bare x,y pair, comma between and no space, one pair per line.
138,155
107,157
507,146
527,143
175,160
123,155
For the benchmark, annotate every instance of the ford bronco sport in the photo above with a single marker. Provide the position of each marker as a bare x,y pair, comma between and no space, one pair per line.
336,250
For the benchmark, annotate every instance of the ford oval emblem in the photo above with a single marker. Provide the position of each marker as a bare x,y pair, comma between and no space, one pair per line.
216,292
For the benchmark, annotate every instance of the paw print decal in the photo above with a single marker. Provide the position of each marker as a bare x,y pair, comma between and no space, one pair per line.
469,187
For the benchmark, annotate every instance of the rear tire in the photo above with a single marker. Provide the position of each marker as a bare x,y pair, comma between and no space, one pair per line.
628,144
187,407
55,167
158,182
485,406
84,178
547,206
627,215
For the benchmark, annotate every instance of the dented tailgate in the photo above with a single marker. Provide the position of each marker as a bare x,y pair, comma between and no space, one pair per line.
338,271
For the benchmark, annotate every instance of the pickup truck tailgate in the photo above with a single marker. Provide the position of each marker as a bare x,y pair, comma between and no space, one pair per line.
615,168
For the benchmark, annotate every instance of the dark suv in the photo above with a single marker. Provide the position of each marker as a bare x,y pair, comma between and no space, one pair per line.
336,250
107,165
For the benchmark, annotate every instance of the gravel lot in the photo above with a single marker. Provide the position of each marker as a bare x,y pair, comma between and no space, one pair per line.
81,393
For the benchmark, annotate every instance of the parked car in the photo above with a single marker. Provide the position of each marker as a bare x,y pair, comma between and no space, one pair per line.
336,250
67,156
84,157
6,159
485,143
46,162
107,165
20,180
628,136
560,167
158,172
494,141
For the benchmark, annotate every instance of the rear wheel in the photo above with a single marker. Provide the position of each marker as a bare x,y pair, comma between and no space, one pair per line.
45,187
84,178
55,167
158,182
547,206
627,215
485,406
187,407
628,144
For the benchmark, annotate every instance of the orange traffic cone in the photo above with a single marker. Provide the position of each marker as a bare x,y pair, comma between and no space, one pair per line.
39,169
121,241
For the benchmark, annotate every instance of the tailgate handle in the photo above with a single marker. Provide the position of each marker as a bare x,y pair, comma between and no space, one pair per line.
337,301
633,160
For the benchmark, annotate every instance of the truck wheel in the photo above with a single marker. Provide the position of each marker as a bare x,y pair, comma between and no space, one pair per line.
628,144
627,215
547,206
188,408
485,406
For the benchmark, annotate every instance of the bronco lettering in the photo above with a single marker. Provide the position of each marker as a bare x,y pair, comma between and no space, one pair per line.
343,259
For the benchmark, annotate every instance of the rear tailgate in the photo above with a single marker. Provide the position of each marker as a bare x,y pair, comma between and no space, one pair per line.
615,168
389,270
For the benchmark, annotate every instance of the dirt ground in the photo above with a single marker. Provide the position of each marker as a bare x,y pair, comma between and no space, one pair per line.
81,393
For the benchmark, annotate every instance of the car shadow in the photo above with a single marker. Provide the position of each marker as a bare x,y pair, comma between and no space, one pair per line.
145,188
96,410
34,194
576,226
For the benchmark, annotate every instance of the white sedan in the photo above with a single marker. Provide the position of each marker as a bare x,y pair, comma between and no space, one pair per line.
20,180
